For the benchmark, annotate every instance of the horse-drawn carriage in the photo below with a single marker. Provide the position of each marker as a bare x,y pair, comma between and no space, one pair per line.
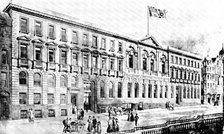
74,126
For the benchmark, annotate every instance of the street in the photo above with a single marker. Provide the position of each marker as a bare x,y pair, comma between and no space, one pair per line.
146,117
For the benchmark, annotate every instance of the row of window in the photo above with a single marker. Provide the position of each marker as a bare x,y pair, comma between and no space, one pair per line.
185,75
38,113
38,31
185,62
37,98
23,80
191,93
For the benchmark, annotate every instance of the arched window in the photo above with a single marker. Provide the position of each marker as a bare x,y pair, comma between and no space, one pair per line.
155,91
111,90
4,56
136,90
152,69
74,81
51,80
119,88
131,60
129,89
144,63
102,90
37,79
63,81
149,90
143,90
22,78
188,93
163,67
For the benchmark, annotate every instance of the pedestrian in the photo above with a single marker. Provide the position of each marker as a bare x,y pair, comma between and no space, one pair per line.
116,125
65,124
98,127
110,125
69,124
94,123
30,115
129,114
136,119
132,117
89,128
82,113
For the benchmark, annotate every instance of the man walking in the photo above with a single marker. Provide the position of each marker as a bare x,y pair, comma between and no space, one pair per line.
136,119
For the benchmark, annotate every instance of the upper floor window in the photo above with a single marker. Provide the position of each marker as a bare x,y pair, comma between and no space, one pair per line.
4,57
51,55
176,60
74,59
120,47
22,78
63,81
94,62
103,43
172,72
62,99
191,63
155,91
85,40
119,92
24,25
51,32
144,63
94,42
172,60
143,90
37,79
74,82
102,90
38,28
161,92
152,64
85,61
120,65
22,98
63,57
188,62
131,59
184,62
129,89
163,67
111,90
103,63
51,80
112,64
112,45
23,51
63,35
74,37
136,90
38,53
37,98
180,60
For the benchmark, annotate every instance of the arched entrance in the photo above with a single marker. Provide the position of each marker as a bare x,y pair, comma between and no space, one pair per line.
4,105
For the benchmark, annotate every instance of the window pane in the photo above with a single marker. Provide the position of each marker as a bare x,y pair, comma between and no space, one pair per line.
38,28
23,25
38,53
50,98
103,63
22,78
75,59
85,60
23,53
37,79
74,37
51,32
37,98
63,34
94,41
62,99
63,57
84,40
22,98
103,43
51,55
94,62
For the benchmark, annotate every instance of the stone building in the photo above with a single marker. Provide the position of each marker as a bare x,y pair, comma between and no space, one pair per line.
59,62
212,78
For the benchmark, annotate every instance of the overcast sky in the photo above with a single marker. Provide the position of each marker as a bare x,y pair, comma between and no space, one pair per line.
201,20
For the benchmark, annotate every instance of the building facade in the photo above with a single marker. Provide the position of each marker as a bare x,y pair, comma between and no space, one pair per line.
212,79
58,62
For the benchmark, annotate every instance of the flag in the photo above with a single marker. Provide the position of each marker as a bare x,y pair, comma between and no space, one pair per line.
154,12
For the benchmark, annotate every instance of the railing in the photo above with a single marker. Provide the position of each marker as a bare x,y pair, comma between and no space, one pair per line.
197,124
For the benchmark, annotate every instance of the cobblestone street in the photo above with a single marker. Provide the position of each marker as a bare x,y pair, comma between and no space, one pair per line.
147,117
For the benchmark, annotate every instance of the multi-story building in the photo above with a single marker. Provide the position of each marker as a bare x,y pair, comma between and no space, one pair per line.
212,78
57,62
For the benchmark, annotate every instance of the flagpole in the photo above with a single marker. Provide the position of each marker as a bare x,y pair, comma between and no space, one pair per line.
147,20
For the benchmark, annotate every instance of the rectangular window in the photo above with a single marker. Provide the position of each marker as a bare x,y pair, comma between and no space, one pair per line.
51,113
23,51
38,28
112,64
63,112
143,90
94,42
51,34
23,114
112,45
38,113
63,57
51,56
63,35
188,62
50,98
155,91
149,90
85,61
176,58
94,62
4,79
129,90
180,59
22,98
103,43
191,63
62,99
38,53
103,63
74,37
85,40
24,25
75,59
172,59
120,65
166,91
120,47
184,62
161,91
37,98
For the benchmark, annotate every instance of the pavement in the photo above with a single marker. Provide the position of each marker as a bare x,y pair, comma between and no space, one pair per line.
146,117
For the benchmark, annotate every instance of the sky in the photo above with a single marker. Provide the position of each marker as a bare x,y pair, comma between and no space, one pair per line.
196,26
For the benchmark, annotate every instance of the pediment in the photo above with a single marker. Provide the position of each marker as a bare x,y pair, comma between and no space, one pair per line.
150,40
85,50
51,44
24,38
95,52
75,48
104,53
39,41
63,46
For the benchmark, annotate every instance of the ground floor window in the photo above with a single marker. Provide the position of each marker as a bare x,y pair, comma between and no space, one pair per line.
38,114
51,113
23,114
63,112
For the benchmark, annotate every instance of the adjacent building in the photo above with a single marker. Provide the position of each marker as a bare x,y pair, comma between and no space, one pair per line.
56,62
212,79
